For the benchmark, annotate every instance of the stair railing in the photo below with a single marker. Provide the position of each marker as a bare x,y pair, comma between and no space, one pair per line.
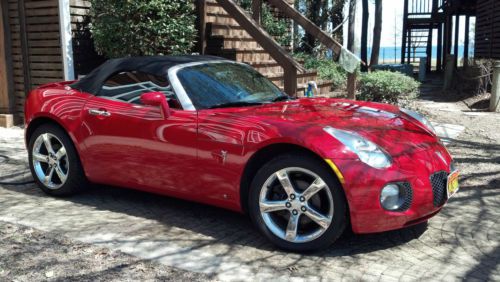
311,28
277,52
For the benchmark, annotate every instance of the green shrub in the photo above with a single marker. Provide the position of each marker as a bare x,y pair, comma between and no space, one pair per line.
387,87
327,69
142,27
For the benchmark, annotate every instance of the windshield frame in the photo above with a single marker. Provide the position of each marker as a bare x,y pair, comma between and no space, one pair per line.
182,95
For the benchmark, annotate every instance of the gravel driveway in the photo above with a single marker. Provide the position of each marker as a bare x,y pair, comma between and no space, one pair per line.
117,234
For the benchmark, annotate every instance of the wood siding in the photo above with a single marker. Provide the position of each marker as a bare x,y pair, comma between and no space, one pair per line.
487,43
36,50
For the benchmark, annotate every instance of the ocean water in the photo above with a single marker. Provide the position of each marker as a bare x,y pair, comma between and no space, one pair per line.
391,53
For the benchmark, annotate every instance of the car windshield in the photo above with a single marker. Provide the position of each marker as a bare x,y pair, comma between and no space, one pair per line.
215,85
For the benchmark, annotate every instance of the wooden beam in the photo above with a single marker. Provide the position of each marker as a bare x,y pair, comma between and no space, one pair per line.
24,47
201,23
457,35
466,41
428,52
257,10
351,85
439,55
6,82
495,89
308,25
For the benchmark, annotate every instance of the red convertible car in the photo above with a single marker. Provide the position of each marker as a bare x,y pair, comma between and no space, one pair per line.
214,131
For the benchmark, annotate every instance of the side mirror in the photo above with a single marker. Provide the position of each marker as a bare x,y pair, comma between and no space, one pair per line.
156,99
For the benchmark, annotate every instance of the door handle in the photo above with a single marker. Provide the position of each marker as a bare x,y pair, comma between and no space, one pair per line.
96,112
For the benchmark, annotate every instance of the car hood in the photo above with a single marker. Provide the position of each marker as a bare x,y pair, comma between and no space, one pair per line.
382,124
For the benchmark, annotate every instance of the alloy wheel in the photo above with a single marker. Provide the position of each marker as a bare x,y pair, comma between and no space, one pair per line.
50,161
296,205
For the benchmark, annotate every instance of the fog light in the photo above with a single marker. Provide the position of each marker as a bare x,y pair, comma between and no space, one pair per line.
392,197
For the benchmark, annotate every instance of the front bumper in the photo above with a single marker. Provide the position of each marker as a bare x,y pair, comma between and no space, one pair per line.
363,185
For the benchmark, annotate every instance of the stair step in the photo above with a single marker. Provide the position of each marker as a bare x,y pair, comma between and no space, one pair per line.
233,43
221,19
302,78
246,55
267,67
215,8
227,31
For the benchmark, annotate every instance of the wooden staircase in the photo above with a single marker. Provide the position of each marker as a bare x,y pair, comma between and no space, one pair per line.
226,38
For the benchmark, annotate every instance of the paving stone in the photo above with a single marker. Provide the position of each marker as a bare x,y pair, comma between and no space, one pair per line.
460,243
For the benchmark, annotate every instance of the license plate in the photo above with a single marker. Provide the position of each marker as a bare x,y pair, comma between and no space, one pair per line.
453,185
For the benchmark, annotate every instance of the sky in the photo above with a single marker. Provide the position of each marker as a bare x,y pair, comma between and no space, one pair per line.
392,23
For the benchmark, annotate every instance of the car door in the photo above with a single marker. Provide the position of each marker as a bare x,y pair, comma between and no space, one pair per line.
133,145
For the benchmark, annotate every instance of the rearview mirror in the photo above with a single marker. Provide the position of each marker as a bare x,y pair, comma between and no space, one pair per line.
156,99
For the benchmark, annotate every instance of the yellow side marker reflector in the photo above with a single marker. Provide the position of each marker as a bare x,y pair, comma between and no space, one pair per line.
336,170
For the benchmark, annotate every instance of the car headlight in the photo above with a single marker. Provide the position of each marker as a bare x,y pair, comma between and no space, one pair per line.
367,151
420,118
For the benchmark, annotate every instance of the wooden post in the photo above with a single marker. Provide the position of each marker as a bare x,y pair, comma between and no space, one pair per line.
495,89
403,43
24,47
457,35
439,54
351,86
257,10
448,72
290,83
201,9
428,64
6,100
466,41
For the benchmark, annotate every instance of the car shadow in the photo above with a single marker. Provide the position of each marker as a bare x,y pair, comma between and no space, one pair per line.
172,212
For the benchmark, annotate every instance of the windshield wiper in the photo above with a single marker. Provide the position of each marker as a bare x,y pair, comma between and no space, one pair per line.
235,104
282,98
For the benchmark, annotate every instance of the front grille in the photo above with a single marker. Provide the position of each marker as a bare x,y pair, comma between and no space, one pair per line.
438,183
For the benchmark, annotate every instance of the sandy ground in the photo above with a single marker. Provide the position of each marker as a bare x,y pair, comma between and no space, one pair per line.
28,254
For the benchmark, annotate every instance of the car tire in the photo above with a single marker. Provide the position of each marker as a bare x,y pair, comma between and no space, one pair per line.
268,193
57,171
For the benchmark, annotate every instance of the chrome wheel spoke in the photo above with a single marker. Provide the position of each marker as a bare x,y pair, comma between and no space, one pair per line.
272,206
48,177
62,176
285,181
40,158
47,143
61,153
314,188
291,189
47,162
292,227
320,219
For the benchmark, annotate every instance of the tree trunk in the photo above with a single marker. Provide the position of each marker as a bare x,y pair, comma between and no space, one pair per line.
351,39
377,33
351,35
337,18
364,35
313,14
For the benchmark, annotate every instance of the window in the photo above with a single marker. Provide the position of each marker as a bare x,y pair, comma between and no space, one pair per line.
129,86
212,84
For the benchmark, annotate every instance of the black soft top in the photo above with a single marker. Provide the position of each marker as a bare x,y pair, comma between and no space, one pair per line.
155,65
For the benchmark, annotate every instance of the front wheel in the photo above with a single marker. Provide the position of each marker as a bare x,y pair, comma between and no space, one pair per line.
54,162
297,203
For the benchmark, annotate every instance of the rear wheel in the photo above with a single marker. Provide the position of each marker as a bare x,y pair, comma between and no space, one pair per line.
54,162
297,203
